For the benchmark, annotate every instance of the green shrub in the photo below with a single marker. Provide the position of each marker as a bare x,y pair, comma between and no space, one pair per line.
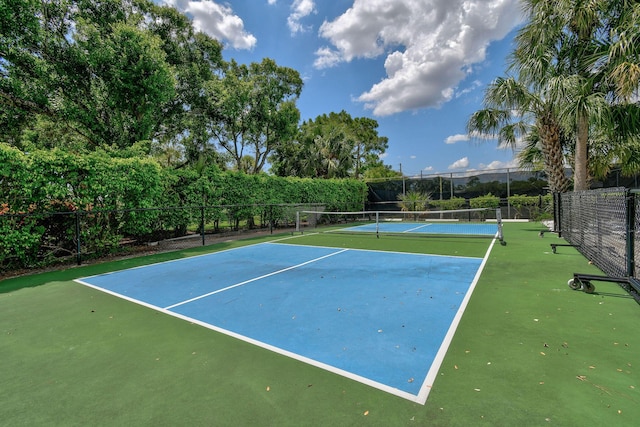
112,198
449,204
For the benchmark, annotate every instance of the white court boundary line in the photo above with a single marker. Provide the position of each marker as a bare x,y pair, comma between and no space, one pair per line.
442,351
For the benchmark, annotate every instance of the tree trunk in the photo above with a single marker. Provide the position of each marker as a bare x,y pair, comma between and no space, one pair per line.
553,155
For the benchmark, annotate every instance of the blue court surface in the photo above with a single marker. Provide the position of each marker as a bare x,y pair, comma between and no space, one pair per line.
381,318
428,228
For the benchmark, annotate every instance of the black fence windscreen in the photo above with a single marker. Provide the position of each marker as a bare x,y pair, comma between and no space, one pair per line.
602,225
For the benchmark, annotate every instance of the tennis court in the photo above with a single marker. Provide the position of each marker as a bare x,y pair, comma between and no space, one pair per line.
428,228
462,222
382,318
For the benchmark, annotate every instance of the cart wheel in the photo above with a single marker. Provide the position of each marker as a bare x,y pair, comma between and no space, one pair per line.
574,284
588,287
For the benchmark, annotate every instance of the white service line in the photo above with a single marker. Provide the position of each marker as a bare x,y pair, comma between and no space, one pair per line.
253,280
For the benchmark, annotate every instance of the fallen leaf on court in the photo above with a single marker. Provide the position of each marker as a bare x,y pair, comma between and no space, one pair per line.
592,367
268,388
476,389
410,380
366,413
541,382
379,330
535,320
542,353
455,366
581,377
631,387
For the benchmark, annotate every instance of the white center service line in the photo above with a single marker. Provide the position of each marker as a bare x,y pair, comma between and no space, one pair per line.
416,228
253,280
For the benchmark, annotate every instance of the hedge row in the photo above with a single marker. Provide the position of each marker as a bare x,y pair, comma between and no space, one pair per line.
107,194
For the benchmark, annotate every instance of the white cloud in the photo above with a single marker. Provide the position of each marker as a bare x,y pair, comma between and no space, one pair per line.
326,58
216,20
300,9
460,164
271,2
430,46
463,137
456,138
428,169
496,164
474,85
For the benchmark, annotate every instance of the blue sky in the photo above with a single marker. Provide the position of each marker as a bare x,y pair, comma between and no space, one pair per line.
419,67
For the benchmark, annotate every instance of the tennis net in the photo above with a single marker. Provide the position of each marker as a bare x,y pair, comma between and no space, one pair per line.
463,222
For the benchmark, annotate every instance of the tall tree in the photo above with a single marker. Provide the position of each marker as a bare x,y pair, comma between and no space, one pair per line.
513,112
253,111
113,72
574,51
331,146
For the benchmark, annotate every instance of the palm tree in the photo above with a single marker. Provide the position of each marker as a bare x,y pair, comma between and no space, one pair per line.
512,113
414,201
581,54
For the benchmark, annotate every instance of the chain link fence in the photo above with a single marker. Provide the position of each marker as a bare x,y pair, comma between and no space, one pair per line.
35,239
602,225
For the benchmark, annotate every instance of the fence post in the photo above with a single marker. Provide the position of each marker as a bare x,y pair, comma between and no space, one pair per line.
631,226
557,213
78,245
271,219
202,223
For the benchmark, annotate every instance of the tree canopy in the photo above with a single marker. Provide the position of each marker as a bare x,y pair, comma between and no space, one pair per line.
332,146
136,78
582,59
